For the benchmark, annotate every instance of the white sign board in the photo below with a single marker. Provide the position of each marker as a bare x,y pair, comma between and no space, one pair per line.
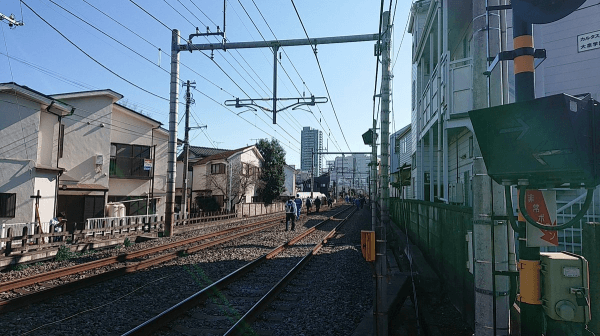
541,206
588,41
147,164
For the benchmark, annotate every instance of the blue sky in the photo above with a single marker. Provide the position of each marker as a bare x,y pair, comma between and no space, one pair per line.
42,59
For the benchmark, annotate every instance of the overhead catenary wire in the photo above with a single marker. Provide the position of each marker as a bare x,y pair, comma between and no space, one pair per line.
262,36
241,66
18,110
334,140
322,76
203,54
158,48
109,36
246,120
69,80
91,57
267,60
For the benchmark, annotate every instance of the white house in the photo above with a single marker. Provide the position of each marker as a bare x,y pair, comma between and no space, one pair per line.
31,145
290,180
229,177
111,154
196,153
400,160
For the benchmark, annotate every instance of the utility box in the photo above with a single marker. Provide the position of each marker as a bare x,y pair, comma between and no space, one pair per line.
547,142
367,245
565,287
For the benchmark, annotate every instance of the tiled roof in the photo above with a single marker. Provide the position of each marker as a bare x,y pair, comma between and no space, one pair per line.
197,152
221,156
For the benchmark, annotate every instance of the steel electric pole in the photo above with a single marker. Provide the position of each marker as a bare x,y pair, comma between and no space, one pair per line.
380,228
186,146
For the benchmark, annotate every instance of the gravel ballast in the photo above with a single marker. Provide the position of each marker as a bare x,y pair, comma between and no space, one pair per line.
116,306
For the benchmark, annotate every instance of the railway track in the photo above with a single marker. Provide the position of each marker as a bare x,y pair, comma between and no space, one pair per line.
24,291
236,299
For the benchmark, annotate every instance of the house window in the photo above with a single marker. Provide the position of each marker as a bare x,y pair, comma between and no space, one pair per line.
217,168
470,147
127,161
8,203
61,139
247,169
397,145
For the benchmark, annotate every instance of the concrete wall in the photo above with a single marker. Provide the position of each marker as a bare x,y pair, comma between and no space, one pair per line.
47,144
130,128
201,172
46,184
290,181
87,134
568,69
16,177
19,127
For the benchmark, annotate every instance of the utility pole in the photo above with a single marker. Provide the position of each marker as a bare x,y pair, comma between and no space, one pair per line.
171,153
223,45
380,228
490,231
529,257
312,171
186,145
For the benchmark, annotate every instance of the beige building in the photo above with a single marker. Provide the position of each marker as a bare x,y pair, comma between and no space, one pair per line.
229,177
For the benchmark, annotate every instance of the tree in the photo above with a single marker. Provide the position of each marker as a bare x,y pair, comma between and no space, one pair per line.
272,176
243,177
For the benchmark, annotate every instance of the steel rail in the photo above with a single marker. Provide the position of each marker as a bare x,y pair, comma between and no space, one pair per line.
241,326
52,291
58,273
194,300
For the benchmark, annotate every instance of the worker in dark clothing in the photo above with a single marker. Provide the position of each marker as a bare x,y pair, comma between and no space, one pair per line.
308,205
317,203
290,214
298,201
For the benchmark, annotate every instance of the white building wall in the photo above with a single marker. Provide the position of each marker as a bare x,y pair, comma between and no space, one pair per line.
17,177
87,134
47,147
19,128
290,181
568,69
46,184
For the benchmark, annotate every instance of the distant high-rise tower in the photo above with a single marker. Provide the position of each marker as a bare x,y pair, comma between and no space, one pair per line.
312,141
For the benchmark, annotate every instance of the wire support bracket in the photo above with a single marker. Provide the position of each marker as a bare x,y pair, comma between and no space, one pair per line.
253,103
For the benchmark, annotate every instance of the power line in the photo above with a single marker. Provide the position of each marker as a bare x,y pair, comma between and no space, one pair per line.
92,58
203,13
162,51
112,38
258,30
68,80
303,82
246,120
244,79
322,76
152,16
235,83
190,22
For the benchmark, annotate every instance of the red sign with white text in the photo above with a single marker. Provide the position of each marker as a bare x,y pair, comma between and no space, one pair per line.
541,206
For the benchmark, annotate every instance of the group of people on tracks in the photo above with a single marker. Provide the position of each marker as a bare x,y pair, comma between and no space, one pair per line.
294,205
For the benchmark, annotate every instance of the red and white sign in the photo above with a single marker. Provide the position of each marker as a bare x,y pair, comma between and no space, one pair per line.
541,206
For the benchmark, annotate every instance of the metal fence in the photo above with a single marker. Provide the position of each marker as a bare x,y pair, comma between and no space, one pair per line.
441,231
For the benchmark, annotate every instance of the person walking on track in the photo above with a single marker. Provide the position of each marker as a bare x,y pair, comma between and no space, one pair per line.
290,214
318,203
298,201
308,205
